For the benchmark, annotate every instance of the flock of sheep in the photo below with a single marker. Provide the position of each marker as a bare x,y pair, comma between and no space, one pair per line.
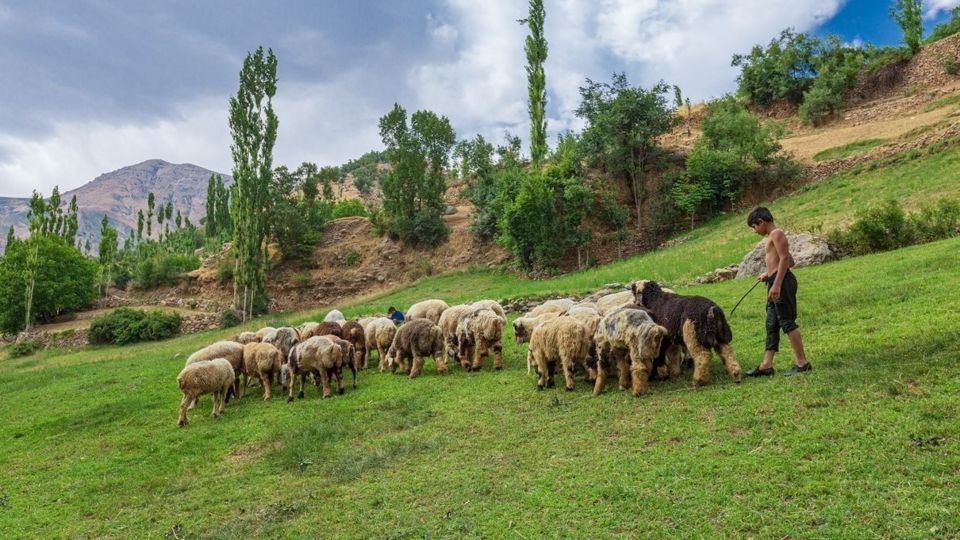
644,331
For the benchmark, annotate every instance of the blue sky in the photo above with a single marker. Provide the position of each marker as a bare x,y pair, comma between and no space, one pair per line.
90,86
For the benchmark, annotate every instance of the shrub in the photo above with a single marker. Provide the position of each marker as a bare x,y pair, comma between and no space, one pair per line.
887,227
352,257
229,318
23,348
783,70
950,65
225,272
349,207
124,325
301,280
163,268
945,29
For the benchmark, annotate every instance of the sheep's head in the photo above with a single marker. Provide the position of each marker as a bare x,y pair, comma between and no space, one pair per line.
452,346
652,340
391,356
645,292
518,332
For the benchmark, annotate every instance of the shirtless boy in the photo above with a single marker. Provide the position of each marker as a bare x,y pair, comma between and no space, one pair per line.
781,296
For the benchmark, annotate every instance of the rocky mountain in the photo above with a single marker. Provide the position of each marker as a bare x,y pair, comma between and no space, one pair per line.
120,194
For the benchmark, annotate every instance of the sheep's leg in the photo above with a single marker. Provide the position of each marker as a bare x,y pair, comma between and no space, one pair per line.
567,364
640,371
551,370
266,385
603,365
338,375
541,370
417,366
325,381
216,404
479,355
701,355
623,370
303,379
246,381
730,361
497,356
674,360
381,357
184,406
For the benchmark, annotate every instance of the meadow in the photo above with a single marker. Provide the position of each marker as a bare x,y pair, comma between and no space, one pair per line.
865,445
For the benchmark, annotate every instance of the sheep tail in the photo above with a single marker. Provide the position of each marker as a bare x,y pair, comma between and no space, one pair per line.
717,329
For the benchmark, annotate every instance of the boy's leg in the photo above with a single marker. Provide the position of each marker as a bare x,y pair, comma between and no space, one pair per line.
797,343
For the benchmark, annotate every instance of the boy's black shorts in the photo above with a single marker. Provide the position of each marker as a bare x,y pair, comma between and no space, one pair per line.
782,314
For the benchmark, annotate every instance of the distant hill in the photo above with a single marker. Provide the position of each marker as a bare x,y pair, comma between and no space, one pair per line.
119,194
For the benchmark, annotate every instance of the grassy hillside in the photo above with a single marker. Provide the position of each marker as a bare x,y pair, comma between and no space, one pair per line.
865,445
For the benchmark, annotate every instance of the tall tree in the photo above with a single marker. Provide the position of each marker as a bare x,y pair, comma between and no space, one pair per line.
140,220
71,222
11,238
253,127
536,49
224,219
907,14
151,204
210,225
179,219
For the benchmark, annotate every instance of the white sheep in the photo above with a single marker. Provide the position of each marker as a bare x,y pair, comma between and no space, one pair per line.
490,304
231,350
448,322
265,331
610,302
427,309
246,337
333,316
283,339
562,341
205,377
379,334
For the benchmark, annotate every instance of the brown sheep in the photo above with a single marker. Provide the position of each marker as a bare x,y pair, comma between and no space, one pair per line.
325,328
490,304
260,360
214,376
265,331
349,355
353,332
379,334
318,354
449,320
427,309
563,341
414,340
694,322
624,333
477,333
590,318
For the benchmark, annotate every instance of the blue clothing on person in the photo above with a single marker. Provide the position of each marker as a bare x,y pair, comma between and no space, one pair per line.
396,316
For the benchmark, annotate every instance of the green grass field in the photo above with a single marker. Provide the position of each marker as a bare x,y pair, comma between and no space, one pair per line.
866,445
847,150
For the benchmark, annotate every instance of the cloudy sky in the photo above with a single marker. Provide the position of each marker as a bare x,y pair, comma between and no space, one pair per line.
90,86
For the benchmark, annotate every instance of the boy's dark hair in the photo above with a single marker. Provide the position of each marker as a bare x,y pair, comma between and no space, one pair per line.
391,309
759,214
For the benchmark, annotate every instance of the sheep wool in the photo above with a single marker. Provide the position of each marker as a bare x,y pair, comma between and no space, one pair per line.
205,377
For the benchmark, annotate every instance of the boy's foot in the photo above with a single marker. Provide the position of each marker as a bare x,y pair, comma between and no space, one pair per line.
760,372
794,369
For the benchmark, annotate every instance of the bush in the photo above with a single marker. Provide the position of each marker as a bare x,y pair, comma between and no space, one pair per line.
163,268
349,207
783,70
950,65
887,227
352,257
225,272
24,348
945,29
229,318
124,325
819,103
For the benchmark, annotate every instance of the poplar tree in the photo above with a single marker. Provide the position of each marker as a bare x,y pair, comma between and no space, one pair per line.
210,225
151,203
536,49
907,14
253,128
140,225
11,238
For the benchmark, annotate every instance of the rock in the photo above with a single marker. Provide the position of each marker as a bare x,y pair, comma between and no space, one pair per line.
381,278
450,210
724,274
806,250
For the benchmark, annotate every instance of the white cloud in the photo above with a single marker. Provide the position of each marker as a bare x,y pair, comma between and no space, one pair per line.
324,123
932,8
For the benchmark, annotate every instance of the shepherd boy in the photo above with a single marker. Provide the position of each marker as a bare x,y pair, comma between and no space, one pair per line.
781,296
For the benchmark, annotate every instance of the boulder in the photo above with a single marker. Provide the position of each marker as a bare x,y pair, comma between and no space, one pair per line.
806,249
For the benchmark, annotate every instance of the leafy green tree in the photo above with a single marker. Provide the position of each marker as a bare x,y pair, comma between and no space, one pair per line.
945,29
413,190
139,225
536,49
253,127
11,238
909,17
58,277
783,70
623,124
210,222
477,169
838,67
179,219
